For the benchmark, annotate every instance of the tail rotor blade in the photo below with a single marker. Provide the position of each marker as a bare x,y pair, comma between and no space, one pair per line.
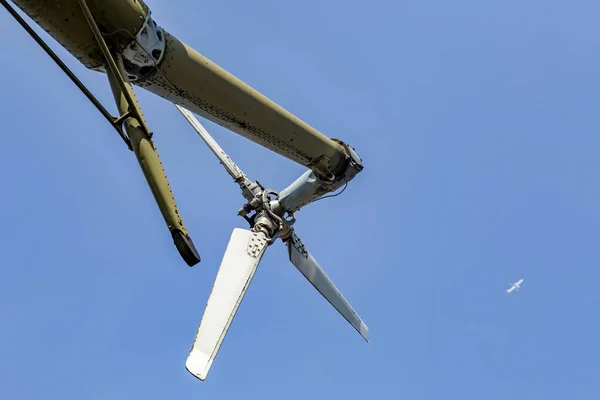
312,271
241,259
232,169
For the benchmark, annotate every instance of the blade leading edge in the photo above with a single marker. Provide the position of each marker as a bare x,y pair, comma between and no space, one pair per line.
312,271
241,259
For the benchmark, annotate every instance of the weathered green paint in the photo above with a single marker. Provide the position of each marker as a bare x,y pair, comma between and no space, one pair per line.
149,161
187,78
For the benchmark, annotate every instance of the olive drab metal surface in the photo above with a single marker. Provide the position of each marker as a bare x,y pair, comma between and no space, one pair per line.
65,22
121,39
186,77
98,32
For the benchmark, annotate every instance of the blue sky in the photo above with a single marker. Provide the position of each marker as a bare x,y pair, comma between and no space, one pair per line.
477,122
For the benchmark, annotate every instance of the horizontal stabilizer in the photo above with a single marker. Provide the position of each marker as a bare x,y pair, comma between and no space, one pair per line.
309,267
241,259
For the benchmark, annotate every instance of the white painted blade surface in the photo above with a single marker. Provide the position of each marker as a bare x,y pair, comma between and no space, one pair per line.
309,267
241,259
234,171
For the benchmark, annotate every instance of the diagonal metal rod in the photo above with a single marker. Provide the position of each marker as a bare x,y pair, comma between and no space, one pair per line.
112,65
67,71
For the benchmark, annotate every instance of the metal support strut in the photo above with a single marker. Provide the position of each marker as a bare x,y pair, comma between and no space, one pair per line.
138,138
142,144
115,122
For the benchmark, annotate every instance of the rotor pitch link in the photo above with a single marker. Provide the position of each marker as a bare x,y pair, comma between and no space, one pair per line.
264,208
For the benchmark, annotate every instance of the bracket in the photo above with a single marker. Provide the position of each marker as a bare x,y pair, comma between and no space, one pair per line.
114,70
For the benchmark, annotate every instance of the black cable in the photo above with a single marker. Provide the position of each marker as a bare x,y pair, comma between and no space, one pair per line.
333,195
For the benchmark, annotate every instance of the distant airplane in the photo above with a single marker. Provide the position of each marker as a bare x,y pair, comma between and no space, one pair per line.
515,286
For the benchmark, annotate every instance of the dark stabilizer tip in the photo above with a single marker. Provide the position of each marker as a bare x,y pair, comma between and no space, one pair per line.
186,247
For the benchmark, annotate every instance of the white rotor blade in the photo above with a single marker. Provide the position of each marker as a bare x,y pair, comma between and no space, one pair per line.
309,267
243,254
234,171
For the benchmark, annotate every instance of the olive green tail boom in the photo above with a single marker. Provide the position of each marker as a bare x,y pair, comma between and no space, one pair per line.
162,64
100,33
